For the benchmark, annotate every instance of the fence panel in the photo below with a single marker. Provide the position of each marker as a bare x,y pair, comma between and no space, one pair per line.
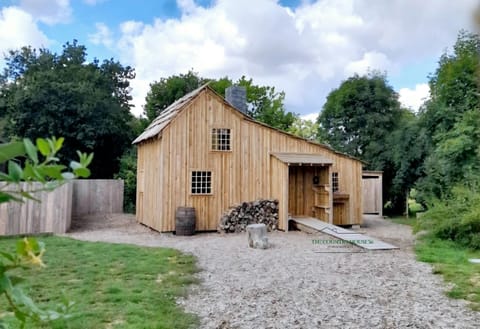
52,214
97,196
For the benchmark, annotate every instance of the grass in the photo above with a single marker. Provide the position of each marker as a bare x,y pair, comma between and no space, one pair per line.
113,285
451,261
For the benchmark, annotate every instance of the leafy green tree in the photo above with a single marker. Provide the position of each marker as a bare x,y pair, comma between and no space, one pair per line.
265,104
41,165
407,148
44,93
454,85
359,115
304,128
358,118
167,90
449,119
128,172
455,158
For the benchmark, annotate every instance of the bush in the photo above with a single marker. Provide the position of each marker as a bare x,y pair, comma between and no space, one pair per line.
128,172
456,217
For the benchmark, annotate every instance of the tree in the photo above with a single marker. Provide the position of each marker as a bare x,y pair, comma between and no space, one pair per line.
304,128
449,119
265,104
358,118
88,103
453,86
359,115
455,158
167,90
407,147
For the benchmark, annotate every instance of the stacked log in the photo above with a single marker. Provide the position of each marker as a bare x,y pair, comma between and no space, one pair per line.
236,219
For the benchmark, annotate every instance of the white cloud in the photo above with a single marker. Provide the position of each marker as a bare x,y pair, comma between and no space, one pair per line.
18,29
370,60
310,117
48,11
102,36
414,98
305,51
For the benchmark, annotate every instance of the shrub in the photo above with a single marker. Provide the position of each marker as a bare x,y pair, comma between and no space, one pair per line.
128,172
456,217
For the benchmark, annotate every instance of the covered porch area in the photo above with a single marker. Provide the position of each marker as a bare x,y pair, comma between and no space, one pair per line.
305,190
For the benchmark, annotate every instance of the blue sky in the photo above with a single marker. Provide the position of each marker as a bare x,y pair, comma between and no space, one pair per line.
303,47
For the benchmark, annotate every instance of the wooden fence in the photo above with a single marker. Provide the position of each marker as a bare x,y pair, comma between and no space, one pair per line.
97,196
54,212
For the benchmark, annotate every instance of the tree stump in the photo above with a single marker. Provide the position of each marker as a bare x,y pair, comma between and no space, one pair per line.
257,236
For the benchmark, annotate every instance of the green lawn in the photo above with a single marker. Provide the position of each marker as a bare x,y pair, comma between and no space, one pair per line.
113,285
451,261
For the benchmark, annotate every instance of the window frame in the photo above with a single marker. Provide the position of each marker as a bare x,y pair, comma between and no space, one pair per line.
198,190
216,140
335,181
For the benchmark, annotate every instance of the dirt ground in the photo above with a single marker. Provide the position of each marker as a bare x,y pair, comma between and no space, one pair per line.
296,285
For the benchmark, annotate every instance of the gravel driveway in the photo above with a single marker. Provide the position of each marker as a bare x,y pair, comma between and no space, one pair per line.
293,285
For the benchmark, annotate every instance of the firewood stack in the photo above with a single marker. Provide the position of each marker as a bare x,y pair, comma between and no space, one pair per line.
237,218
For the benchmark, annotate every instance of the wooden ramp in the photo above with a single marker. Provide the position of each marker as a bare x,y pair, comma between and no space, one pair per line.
353,237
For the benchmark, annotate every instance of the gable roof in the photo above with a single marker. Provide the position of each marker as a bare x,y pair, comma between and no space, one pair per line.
167,115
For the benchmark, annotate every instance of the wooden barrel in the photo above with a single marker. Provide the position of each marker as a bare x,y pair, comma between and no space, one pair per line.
185,221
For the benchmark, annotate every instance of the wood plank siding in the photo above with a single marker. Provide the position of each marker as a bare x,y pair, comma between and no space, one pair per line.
246,172
372,192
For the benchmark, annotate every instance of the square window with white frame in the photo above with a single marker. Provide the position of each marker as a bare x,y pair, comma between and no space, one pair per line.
201,182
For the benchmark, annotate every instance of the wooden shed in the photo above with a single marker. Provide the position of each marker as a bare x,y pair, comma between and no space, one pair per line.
372,192
202,152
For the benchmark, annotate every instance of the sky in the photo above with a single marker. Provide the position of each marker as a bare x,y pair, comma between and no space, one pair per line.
303,47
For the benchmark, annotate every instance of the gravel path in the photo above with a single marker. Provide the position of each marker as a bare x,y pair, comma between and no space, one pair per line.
292,285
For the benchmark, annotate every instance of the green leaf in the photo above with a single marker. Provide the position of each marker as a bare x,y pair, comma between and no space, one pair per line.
31,150
43,146
5,197
82,172
51,144
28,172
15,171
59,143
54,171
27,195
89,160
11,150
8,197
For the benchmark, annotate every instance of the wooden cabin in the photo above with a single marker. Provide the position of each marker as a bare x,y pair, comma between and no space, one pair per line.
203,152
